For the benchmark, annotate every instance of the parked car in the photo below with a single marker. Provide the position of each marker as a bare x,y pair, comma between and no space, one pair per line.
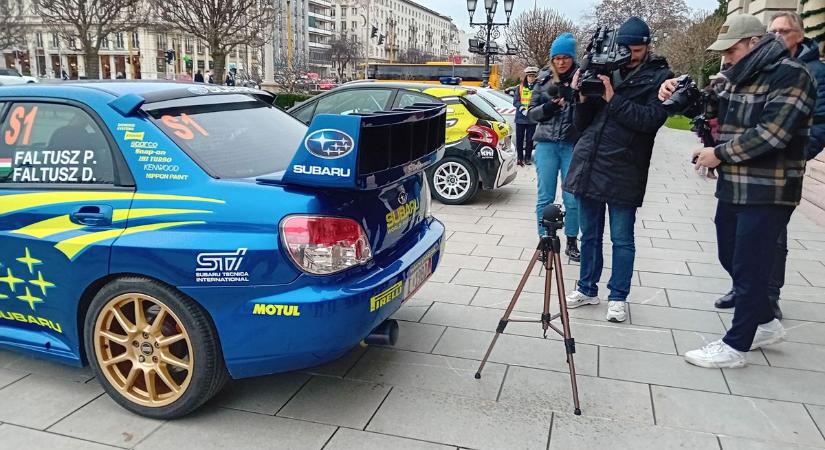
157,232
479,151
10,77
502,103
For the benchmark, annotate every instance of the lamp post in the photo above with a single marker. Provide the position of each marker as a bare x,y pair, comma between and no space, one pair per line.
488,29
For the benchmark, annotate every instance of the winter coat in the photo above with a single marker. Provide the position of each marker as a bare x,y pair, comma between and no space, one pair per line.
521,117
808,53
611,159
765,110
555,123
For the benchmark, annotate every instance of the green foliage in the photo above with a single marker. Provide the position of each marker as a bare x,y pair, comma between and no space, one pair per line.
286,100
678,123
507,82
722,10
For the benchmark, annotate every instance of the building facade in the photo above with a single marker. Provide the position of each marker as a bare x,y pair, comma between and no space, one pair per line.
142,54
404,30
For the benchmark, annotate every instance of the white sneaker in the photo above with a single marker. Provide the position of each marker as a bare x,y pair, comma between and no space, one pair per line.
768,333
576,299
717,354
616,311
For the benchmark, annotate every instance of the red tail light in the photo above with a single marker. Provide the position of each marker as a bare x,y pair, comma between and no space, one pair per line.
483,134
325,245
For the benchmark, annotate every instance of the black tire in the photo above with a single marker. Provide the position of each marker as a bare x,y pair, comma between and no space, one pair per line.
209,373
464,187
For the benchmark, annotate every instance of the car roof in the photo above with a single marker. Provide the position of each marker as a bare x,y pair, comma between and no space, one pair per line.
149,90
443,89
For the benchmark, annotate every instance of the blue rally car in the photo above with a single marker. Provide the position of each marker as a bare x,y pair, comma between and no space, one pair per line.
175,235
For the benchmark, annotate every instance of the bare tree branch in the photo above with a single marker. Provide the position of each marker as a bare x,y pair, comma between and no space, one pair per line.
345,52
222,24
289,74
90,21
533,31
686,48
660,15
12,31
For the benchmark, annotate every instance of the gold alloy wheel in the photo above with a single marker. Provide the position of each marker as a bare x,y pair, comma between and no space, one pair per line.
143,349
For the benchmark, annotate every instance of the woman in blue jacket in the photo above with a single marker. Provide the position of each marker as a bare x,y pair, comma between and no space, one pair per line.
524,126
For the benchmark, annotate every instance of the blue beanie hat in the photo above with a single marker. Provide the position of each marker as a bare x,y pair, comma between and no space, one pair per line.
565,44
633,32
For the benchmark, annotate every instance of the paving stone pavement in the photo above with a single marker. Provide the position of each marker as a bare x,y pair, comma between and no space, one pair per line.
636,390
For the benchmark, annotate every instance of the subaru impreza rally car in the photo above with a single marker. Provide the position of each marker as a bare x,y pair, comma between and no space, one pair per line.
174,235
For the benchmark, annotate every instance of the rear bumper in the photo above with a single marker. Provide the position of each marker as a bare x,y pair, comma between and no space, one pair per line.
270,329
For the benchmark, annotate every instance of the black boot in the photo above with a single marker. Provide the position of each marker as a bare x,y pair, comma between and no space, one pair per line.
572,250
726,301
774,301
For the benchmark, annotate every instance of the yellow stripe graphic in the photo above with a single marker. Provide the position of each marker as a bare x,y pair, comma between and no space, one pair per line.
18,202
61,224
73,246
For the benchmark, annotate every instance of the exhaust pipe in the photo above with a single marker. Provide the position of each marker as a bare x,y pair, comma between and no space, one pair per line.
384,334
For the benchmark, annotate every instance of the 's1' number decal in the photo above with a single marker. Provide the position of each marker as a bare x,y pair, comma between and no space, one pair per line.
182,125
16,127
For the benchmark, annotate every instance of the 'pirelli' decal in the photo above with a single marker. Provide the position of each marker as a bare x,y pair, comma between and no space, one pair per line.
388,295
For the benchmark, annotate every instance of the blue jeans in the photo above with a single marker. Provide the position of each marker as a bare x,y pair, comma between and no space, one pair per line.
622,221
550,158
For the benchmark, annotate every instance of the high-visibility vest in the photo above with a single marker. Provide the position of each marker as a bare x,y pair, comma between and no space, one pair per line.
525,95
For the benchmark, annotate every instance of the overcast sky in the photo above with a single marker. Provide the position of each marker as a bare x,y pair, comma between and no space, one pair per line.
574,9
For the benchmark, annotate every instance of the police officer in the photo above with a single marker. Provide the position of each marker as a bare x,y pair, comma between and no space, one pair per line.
524,126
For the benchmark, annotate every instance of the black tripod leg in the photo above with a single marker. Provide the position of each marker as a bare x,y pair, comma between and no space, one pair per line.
548,288
569,342
503,322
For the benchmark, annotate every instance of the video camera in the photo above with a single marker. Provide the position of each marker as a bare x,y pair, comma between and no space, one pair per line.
603,56
689,100
552,218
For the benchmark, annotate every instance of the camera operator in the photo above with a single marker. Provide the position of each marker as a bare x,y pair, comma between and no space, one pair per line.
789,26
610,164
765,110
552,108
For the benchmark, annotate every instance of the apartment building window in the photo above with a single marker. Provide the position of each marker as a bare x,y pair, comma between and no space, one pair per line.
343,13
119,40
354,24
39,39
343,26
333,26
104,43
189,46
162,40
332,13
135,40
70,43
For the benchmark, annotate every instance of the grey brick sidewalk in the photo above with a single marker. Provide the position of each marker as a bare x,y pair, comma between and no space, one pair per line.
637,391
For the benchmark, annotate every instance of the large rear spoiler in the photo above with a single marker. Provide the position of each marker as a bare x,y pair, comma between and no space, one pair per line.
368,151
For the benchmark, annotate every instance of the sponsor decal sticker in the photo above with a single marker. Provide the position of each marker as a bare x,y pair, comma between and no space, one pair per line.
486,153
5,166
379,300
266,309
221,267
329,143
401,215
133,136
325,171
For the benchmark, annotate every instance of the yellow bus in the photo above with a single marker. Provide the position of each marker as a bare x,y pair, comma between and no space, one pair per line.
433,73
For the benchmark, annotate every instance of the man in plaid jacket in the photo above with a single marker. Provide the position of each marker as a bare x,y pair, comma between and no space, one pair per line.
765,112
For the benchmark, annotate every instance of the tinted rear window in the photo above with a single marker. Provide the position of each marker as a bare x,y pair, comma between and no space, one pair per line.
230,136
481,109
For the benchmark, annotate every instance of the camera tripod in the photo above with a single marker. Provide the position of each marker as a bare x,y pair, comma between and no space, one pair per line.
548,252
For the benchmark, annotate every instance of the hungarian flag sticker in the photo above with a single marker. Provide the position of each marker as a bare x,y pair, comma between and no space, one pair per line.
5,166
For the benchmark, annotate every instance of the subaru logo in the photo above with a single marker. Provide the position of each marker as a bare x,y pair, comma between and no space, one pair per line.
329,143
402,198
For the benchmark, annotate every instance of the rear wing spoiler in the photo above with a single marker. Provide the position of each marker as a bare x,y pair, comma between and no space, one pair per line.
368,151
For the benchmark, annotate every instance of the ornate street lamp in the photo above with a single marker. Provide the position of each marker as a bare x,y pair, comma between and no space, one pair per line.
489,30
